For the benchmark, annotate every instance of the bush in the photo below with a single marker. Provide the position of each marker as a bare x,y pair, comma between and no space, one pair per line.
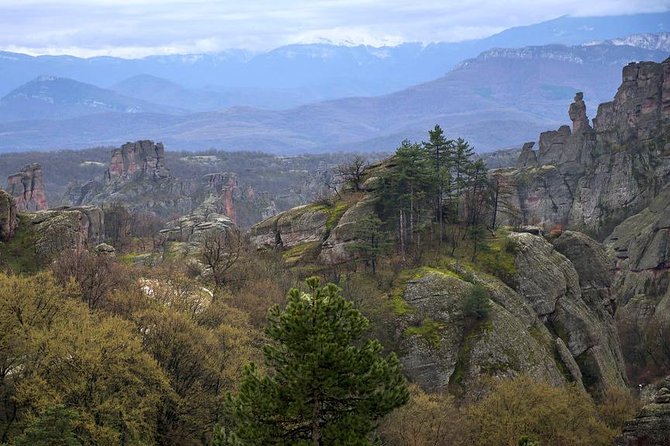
477,305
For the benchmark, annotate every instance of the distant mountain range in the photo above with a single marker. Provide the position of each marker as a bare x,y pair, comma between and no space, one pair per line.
299,74
498,99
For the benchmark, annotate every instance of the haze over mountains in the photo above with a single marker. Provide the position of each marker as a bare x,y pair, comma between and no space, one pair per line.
498,99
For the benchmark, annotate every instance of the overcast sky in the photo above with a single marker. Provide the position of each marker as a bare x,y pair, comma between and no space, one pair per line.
136,28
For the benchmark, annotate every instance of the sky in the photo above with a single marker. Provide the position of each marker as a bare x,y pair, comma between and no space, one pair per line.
137,28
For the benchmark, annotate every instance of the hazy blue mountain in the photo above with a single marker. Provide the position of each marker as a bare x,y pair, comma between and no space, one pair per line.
53,97
305,73
162,91
499,99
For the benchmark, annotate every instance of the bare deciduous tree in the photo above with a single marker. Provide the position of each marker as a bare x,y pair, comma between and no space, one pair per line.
219,250
352,172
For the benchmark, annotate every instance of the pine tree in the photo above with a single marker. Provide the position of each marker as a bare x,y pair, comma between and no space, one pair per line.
324,385
440,150
405,191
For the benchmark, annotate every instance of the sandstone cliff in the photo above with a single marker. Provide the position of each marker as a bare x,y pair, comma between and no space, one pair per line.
27,188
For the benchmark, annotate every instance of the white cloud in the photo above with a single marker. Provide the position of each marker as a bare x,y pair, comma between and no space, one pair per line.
135,28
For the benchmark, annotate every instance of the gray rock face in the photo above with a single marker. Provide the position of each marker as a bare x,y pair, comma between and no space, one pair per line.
138,159
577,113
573,300
66,228
593,178
651,426
640,247
190,228
439,353
8,221
527,157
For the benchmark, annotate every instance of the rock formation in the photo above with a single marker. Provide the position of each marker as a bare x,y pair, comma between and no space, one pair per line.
568,286
138,159
224,186
592,179
527,157
189,228
613,181
60,229
138,178
651,426
8,220
27,188
555,325
577,113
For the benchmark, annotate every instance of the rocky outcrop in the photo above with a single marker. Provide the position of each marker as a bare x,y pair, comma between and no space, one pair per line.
225,186
441,349
640,246
8,220
137,159
27,188
66,228
651,426
300,225
593,178
137,178
190,228
577,113
527,157
570,294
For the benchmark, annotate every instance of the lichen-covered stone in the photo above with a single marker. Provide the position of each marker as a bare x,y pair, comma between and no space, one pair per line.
303,224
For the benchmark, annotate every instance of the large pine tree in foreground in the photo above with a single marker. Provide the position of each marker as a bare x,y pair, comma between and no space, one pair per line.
324,385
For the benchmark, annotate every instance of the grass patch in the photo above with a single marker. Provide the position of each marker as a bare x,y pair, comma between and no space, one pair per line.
400,306
296,253
429,330
335,213
498,259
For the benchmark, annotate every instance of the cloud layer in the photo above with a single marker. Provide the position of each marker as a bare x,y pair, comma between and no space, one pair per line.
135,28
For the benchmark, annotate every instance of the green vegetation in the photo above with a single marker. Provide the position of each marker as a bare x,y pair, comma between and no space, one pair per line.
322,386
429,330
19,254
